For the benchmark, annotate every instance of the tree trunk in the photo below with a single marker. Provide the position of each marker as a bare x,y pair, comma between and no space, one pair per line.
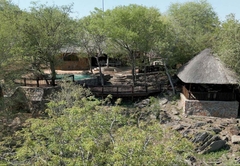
133,67
90,63
169,78
53,73
100,72
1,92
107,62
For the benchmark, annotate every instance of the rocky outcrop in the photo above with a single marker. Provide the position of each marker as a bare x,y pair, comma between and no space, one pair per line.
206,142
30,99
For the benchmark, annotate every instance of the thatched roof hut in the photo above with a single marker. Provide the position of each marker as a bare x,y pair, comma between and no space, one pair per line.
205,68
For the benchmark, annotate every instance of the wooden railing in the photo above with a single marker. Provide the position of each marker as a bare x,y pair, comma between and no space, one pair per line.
211,95
39,81
124,90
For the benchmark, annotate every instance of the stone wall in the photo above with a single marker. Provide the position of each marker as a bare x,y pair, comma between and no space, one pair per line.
224,109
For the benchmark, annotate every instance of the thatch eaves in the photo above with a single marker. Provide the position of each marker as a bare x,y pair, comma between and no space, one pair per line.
205,68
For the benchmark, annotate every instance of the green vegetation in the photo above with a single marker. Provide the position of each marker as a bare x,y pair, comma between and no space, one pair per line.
88,131
77,128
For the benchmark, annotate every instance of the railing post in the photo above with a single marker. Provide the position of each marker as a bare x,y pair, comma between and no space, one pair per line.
37,81
146,88
117,89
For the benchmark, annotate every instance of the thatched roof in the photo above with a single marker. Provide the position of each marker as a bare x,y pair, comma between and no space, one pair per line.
205,68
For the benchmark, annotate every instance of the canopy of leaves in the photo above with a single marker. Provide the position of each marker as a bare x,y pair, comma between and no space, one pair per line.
134,27
192,25
227,44
94,132
46,29
11,63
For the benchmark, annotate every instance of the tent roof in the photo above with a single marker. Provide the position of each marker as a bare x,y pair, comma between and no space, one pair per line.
205,68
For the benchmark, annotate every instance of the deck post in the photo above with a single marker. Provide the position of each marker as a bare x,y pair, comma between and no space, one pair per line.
37,81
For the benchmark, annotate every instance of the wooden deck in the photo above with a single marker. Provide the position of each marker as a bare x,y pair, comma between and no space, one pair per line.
125,90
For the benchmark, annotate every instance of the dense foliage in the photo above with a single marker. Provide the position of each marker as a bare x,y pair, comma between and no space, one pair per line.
193,25
79,129
227,42
87,131
36,37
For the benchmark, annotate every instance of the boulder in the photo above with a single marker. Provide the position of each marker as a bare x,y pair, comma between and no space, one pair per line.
199,124
175,111
235,139
215,146
163,101
234,130
178,127
142,104
164,117
200,137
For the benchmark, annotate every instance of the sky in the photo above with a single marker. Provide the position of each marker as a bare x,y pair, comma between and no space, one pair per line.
83,8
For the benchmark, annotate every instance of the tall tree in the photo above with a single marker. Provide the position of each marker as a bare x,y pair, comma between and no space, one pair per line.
10,60
228,42
134,28
46,30
93,36
192,25
85,39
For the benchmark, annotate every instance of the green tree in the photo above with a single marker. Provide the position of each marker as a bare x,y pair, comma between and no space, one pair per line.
227,42
135,29
46,29
85,40
93,36
192,27
9,61
82,130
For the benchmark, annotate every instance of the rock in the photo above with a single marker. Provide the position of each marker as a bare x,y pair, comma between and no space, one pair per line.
223,125
199,124
200,137
209,121
152,116
142,104
235,139
186,133
190,160
178,127
225,138
234,130
163,101
164,117
215,146
16,122
176,118
205,143
175,111
215,130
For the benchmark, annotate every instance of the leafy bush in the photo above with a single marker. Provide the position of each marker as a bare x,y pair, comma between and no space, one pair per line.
90,131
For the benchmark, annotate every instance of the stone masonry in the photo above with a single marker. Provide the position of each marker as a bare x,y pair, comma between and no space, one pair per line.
224,109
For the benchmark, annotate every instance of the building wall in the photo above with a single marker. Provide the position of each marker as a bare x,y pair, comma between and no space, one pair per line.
224,109
81,64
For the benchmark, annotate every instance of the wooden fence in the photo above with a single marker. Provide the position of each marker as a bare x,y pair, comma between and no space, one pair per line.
125,90
39,81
